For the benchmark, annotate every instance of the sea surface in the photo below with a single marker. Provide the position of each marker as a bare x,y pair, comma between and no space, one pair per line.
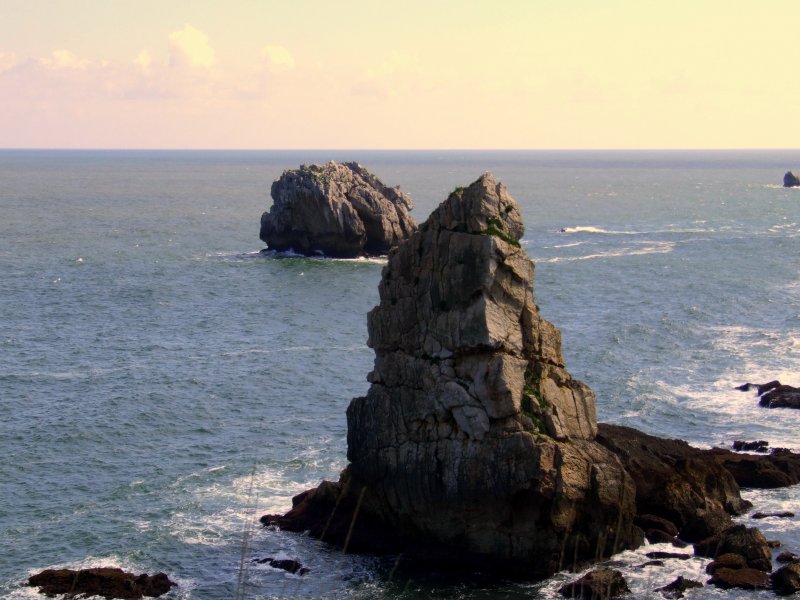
163,383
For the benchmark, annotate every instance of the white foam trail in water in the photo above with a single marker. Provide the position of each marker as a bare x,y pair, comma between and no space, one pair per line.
653,248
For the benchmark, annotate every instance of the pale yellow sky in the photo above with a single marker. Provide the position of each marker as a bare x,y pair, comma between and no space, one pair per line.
373,74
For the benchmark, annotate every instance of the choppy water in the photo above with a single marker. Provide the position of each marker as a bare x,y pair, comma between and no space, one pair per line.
162,384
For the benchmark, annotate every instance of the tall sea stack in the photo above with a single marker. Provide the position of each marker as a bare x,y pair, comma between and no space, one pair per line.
473,444
473,434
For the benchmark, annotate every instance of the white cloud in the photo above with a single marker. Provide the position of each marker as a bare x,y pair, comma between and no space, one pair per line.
145,59
64,59
8,60
190,46
278,57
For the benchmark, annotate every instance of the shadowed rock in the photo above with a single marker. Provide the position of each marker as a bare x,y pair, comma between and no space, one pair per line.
338,210
104,581
747,542
786,580
791,179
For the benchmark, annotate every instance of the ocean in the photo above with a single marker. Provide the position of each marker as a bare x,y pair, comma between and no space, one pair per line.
163,383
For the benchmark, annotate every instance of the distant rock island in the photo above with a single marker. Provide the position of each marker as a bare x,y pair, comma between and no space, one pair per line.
474,445
791,179
336,210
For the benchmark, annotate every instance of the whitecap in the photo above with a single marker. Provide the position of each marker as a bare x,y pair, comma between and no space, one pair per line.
652,248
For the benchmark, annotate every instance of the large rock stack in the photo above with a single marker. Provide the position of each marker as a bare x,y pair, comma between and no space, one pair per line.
337,210
474,444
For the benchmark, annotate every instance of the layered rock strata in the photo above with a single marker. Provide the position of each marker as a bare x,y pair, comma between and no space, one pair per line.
473,435
337,210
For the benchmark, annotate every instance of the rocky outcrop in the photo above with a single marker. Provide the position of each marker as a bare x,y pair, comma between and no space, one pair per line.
747,542
774,394
475,446
685,486
678,587
108,582
791,179
337,210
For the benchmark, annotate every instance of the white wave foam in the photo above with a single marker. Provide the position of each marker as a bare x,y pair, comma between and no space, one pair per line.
653,248
590,229
572,245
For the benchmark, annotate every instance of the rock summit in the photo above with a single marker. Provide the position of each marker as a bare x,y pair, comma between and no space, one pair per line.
336,210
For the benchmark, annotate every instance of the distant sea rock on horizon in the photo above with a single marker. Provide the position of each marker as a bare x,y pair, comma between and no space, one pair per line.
337,209
791,179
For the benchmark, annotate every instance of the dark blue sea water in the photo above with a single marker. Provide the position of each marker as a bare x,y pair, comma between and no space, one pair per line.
162,384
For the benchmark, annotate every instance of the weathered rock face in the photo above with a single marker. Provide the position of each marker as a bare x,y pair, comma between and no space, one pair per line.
791,179
339,210
473,433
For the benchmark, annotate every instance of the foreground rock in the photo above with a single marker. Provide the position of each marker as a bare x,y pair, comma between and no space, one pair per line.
104,581
474,446
791,179
600,583
338,210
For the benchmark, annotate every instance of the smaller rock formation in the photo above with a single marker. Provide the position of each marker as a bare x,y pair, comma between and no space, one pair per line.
107,582
774,394
786,514
756,446
601,583
787,557
337,210
791,179
746,579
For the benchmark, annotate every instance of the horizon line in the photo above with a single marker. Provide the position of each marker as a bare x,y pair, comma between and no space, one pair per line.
332,149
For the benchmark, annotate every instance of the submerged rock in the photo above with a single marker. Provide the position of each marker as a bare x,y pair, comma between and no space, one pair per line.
791,179
338,210
107,582
678,587
600,583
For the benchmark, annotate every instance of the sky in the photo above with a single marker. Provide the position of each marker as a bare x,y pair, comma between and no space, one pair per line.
471,74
